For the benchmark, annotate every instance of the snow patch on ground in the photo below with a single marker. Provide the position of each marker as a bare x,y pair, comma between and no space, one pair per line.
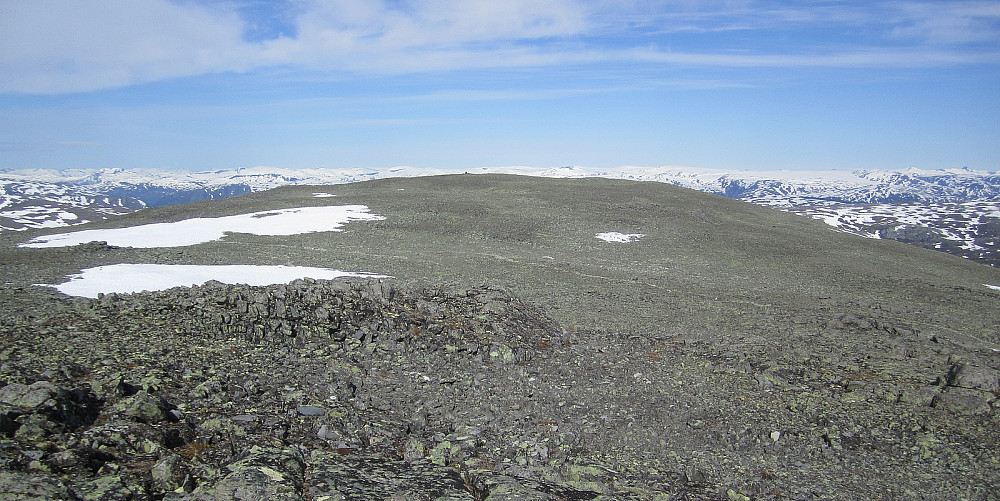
199,230
994,287
128,278
614,236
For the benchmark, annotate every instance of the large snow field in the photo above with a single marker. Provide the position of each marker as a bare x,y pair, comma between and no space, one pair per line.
128,278
200,230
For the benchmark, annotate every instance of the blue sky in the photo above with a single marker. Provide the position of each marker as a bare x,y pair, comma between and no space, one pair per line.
205,85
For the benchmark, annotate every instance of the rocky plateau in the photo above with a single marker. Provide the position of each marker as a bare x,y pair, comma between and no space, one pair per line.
734,352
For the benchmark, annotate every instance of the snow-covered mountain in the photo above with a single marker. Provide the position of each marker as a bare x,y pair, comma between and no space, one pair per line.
795,188
26,203
954,210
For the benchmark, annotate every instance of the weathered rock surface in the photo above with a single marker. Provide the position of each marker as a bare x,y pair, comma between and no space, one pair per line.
322,390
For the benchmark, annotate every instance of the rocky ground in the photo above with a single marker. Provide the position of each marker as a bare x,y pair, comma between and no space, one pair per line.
319,390
732,353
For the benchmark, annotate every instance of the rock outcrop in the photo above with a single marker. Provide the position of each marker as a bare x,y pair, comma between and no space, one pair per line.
322,390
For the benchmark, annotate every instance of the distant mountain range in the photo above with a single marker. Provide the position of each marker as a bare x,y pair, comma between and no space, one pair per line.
953,210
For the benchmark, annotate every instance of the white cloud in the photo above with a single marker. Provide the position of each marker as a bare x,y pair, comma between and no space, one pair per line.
54,46
426,35
949,22
867,58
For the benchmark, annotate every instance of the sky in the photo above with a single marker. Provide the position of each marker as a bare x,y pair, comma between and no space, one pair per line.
458,84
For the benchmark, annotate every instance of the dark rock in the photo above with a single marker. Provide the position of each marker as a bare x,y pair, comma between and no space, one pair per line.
310,410
78,459
8,416
335,476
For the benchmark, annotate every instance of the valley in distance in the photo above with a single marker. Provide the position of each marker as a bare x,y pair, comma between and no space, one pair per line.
524,338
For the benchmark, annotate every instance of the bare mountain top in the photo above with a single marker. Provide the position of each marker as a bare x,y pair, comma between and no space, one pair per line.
953,210
712,349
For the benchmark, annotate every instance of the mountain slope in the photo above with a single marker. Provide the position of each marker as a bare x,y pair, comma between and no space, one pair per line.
732,351
912,205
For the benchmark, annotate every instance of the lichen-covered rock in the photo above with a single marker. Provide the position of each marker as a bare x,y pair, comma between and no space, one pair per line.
30,397
315,390
112,387
315,311
169,473
35,410
16,486
499,488
265,473
105,488
143,407
335,476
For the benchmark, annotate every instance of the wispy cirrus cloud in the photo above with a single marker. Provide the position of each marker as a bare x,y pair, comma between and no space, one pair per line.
57,46
864,58
948,22
47,146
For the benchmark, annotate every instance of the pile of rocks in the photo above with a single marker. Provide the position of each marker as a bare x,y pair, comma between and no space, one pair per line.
236,392
482,322
358,390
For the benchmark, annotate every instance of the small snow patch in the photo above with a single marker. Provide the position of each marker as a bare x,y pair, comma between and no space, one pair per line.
994,287
128,278
323,195
614,236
